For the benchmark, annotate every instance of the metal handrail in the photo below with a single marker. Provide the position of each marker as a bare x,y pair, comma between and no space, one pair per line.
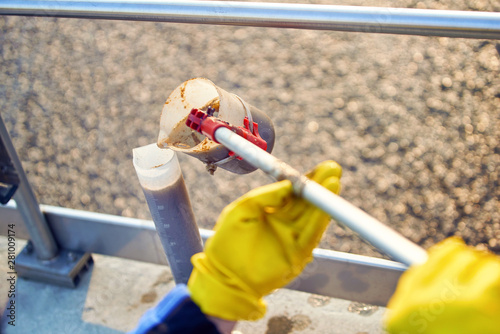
408,21
136,239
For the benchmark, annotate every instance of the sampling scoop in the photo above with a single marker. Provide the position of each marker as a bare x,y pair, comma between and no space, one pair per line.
244,143
202,94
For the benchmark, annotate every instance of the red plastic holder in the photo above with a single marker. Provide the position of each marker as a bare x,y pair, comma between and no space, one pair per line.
208,125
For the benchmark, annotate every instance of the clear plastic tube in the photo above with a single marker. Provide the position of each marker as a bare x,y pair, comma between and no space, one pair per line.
168,200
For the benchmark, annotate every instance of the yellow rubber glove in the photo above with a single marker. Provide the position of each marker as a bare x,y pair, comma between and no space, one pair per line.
262,241
457,291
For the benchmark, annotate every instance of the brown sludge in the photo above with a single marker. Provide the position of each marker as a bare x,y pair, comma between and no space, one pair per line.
182,137
171,210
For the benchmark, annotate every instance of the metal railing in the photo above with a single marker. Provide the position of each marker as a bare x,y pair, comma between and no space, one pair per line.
424,22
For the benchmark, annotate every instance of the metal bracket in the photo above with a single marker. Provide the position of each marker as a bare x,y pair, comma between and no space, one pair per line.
65,269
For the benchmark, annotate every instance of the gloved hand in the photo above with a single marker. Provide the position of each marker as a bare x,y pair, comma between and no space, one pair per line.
457,291
262,241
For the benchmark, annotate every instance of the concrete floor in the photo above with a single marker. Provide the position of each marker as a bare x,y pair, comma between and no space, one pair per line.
114,293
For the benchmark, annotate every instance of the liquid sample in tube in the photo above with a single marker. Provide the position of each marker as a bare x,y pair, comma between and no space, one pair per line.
163,185
175,224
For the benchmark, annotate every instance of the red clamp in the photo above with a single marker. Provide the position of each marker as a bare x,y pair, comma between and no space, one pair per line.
207,125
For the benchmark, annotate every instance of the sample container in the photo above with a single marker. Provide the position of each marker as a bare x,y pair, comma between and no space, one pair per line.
202,93
168,200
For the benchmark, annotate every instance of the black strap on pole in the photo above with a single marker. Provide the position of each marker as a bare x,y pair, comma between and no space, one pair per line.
9,179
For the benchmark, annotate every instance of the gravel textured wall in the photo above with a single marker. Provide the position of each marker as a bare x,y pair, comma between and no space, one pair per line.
414,121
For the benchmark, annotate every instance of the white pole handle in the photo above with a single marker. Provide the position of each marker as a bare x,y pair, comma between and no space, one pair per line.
370,229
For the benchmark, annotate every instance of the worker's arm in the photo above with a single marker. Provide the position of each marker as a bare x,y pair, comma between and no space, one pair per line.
176,314
457,291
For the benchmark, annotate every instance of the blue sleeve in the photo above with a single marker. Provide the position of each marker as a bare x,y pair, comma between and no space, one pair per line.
176,313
